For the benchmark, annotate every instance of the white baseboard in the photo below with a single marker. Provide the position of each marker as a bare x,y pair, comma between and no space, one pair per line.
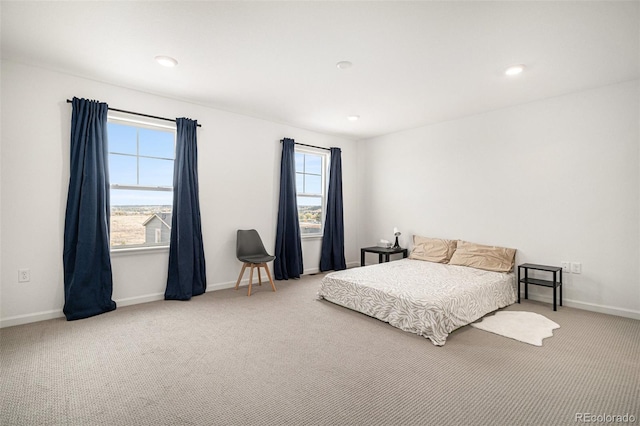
57,313
226,285
29,318
317,270
245,280
127,301
594,307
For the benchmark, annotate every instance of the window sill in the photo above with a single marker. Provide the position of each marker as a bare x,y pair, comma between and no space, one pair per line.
138,250
311,237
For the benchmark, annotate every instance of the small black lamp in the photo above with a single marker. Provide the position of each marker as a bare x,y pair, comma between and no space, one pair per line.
397,234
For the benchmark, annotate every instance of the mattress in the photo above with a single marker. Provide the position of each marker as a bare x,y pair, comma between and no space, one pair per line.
426,298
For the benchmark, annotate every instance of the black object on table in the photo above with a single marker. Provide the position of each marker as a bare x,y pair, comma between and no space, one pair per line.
383,253
555,283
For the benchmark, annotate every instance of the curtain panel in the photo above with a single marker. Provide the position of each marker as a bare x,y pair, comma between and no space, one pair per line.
187,271
332,254
288,262
88,283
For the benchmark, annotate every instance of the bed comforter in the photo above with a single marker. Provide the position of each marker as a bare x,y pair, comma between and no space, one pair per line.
426,298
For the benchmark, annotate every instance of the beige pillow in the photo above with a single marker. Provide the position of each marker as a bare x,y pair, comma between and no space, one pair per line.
490,258
432,249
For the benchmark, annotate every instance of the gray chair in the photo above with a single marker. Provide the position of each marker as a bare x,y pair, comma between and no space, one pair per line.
251,251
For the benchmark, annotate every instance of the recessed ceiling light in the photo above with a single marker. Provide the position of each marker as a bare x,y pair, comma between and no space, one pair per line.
343,65
514,69
166,61
353,117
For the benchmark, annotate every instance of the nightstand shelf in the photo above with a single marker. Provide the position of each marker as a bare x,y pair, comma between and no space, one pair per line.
555,283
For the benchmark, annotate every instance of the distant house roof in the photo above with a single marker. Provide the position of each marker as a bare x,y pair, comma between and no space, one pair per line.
165,218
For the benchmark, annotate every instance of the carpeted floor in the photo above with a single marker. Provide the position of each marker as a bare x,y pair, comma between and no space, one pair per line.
286,358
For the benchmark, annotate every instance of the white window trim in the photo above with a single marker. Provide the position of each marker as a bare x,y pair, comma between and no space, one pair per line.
148,123
153,124
326,159
139,250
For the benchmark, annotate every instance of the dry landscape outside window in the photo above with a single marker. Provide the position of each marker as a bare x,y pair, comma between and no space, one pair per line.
310,218
127,223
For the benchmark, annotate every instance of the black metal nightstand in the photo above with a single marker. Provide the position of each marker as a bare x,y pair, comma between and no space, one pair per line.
383,253
555,283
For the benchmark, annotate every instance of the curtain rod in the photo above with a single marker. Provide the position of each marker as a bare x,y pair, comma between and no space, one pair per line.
138,113
310,146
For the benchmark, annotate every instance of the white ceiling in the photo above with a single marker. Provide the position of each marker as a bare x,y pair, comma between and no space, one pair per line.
415,63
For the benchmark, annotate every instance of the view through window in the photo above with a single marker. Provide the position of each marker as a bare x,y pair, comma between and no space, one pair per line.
310,178
141,160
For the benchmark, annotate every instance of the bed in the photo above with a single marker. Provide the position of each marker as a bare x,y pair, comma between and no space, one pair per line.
427,298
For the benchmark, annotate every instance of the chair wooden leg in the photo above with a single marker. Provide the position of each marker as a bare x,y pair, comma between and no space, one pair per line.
250,279
259,277
244,266
266,268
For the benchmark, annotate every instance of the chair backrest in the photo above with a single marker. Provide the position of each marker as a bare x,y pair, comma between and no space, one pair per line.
249,243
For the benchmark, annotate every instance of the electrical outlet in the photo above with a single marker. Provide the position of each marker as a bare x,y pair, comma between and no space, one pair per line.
566,267
576,267
24,275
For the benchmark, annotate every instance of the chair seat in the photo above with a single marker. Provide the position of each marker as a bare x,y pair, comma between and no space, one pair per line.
256,259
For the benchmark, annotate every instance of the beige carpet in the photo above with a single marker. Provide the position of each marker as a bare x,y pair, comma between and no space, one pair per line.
286,358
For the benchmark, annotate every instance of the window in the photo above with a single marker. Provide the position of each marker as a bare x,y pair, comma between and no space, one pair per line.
310,188
141,157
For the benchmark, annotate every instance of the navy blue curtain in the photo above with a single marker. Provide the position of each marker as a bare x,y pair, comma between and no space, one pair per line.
88,284
332,255
288,262
187,272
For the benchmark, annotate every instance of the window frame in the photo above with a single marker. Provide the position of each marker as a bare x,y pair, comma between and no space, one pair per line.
326,159
151,124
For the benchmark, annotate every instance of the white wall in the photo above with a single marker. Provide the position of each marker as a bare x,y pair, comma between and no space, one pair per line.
556,179
239,165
